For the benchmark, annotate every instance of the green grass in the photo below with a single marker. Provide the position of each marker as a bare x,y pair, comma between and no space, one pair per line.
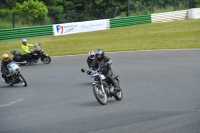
169,35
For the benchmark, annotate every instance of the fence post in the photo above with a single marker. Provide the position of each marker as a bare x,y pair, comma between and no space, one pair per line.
13,19
191,5
174,5
67,16
152,11
128,7
116,12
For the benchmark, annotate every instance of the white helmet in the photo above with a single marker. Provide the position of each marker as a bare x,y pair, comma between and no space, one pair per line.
24,41
91,55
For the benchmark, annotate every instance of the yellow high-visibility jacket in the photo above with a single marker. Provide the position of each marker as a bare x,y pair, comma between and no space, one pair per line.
25,49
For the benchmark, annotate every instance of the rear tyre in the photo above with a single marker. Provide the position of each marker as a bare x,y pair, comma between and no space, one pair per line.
46,59
22,80
11,84
99,95
118,95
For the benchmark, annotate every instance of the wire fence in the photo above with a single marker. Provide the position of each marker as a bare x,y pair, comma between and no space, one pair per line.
13,20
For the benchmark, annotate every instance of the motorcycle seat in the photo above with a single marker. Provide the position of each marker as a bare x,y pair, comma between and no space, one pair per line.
18,53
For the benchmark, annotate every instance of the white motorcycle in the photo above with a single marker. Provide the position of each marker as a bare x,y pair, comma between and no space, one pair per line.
14,76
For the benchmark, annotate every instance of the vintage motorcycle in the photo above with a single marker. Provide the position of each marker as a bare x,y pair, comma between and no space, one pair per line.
14,76
36,54
102,87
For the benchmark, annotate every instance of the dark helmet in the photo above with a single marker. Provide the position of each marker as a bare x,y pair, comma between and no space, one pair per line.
99,53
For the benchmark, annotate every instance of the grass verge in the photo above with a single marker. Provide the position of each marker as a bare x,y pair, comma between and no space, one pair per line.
169,35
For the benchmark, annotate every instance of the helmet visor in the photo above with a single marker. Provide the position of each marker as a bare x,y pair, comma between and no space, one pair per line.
92,56
5,59
99,55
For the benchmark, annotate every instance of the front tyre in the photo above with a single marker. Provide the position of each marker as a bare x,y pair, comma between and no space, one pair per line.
100,96
46,59
22,80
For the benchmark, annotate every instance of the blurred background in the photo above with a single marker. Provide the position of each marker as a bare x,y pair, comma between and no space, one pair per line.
20,13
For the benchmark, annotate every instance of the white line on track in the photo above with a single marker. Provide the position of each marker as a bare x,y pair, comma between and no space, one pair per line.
12,103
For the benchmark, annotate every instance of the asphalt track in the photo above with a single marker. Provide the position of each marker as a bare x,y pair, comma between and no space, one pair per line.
161,95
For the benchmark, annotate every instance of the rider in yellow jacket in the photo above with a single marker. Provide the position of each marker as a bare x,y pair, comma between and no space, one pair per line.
26,53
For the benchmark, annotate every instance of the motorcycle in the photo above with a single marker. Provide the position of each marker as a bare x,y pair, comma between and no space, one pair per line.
36,54
14,76
102,87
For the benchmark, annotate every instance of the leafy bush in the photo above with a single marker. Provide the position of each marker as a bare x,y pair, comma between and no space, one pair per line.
197,3
32,11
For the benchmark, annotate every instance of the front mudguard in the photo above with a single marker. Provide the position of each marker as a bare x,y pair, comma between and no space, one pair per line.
44,55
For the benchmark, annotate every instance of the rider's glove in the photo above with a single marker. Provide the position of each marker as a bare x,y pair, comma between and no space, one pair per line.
109,62
88,72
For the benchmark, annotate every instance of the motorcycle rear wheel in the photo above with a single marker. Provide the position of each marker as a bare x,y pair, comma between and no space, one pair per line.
46,59
22,80
118,95
99,95
11,84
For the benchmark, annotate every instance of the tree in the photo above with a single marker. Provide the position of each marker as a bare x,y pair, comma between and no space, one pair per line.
32,10
197,3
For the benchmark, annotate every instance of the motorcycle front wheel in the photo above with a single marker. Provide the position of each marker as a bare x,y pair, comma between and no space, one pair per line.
99,94
22,80
46,59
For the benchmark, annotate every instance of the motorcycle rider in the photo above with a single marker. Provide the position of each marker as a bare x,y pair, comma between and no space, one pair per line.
26,53
104,63
6,60
90,59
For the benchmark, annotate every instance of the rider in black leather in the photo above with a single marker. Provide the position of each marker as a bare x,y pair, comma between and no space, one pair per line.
6,60
104,63
90,59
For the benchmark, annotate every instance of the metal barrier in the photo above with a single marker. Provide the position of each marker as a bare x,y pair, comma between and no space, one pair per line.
129,21
15,33
169,16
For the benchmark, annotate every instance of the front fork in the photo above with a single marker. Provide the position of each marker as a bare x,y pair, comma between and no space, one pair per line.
101,84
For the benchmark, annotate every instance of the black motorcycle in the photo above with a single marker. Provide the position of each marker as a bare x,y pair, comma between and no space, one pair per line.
102,87
36,54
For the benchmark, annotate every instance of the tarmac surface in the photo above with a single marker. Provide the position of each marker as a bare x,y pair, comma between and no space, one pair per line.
161,95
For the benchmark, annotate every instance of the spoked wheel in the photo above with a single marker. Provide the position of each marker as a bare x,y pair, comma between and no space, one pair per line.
22,80
46,59
118,95
100,96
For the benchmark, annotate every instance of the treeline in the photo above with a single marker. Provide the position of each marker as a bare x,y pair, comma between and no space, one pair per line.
59,11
